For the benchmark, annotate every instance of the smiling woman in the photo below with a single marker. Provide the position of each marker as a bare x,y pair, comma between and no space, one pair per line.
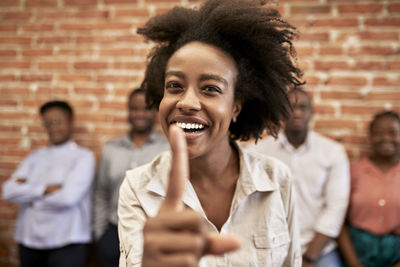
218,74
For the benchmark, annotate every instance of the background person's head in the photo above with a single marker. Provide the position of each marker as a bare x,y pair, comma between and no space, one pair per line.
57,119
384,135
140,117
301,114
258,41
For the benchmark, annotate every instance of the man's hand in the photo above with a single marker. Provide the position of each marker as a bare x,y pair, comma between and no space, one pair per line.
178,236
20,180
50,189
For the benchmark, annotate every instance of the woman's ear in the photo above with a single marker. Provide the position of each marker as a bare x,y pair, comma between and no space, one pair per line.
237,107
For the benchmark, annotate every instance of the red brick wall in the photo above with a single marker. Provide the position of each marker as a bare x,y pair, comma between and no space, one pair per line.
88,52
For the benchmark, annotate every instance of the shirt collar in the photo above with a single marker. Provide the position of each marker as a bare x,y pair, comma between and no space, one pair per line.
284,142
252,177
126,140
66,145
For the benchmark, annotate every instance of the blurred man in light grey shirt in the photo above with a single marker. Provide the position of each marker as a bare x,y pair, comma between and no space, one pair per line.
136,148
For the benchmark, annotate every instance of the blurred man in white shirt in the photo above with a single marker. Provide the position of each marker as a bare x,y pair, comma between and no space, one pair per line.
321,176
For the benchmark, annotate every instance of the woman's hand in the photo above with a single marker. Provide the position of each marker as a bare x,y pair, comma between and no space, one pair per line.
178,236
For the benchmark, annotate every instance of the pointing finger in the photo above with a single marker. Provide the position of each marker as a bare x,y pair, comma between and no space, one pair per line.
179,170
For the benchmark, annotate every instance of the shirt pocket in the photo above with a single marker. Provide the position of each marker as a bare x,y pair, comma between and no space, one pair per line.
271,249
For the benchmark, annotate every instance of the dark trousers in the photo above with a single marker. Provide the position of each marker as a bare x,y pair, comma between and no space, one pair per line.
107,248
76,255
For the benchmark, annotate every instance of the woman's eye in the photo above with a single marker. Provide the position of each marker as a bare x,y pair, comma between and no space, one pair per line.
212,89
173,87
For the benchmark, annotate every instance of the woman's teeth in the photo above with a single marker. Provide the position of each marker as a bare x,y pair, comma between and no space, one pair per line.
190,126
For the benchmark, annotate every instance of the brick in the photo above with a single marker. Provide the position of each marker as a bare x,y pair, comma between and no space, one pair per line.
75,77
7,77
304,51
16,15
53,65
318,37
15,40
360,8
330,50
336,124
330,65
116,78
96,26
360,110
38,27
323,109
41,3
117,52
129,65
112,105
175,2
91,90
8,102
111,2
347,80
76,52
14,64
394,65
138,12
311,79
48,90
54,40
370,65
14,91
80,2
91,14
382,22
385,81
8,27
341,95
36,77
8,53
37,52
378,36
394,7
339,23
384,96
310,9
376,50
90,65
9,3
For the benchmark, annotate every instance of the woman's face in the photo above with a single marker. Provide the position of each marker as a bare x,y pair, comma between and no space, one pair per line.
199,96
385,137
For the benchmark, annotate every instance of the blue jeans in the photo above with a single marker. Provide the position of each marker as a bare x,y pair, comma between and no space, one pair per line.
331,259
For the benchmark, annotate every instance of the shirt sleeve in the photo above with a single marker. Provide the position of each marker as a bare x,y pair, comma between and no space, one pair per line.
294,257
131,219
337,192
77,184
23,192
101,196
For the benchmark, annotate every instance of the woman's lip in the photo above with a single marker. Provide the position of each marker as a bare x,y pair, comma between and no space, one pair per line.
185,119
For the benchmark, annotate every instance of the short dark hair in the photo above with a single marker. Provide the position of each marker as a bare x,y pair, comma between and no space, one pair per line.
57,104
135,91
386,113
259,41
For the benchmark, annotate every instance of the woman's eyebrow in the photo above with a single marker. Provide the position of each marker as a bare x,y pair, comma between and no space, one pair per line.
205,77
175,73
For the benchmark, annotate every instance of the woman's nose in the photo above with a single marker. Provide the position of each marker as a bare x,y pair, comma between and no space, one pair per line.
189,101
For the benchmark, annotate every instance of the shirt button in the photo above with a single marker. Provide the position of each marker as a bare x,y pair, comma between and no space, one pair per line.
381,202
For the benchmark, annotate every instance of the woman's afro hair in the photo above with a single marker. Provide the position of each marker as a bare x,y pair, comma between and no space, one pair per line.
259,41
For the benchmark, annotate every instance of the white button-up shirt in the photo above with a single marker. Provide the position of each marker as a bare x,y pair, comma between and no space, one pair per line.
320,171
63,217
261,214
